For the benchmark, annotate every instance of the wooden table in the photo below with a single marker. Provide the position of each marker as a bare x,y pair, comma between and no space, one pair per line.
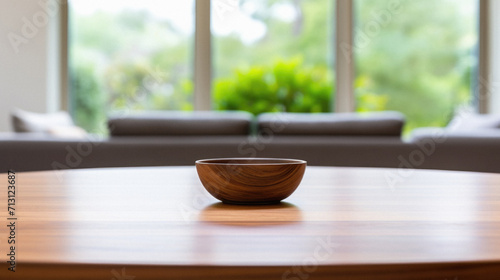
341,223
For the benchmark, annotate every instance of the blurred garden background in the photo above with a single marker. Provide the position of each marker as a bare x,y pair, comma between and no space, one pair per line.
417,57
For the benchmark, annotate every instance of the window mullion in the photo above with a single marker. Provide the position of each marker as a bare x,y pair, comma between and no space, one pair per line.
202,57
344,66
482,80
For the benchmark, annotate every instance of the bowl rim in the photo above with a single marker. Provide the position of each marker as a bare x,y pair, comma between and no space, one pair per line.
248,161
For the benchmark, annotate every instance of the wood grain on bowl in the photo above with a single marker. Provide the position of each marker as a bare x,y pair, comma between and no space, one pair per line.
250,181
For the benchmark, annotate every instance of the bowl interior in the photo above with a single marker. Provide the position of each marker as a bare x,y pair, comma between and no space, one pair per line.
250,161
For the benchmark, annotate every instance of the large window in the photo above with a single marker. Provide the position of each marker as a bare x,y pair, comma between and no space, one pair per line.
416,57
129,55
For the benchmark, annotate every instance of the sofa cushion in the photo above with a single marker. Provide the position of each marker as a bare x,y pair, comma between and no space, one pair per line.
345,124
161,123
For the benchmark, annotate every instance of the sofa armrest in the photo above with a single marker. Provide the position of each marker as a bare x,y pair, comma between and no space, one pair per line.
443,135
444,148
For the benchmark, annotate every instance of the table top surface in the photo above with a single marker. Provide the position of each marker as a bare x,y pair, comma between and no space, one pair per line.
133,218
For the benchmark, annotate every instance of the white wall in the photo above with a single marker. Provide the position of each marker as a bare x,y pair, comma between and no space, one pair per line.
29,67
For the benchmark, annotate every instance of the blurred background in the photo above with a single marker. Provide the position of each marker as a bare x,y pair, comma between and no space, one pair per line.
416,57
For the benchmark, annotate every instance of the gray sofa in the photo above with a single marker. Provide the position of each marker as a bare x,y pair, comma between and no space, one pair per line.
167,139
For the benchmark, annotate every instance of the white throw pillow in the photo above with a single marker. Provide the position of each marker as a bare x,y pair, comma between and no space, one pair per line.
467,121
57,124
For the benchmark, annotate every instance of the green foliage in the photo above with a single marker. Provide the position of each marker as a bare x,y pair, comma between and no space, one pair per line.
137,86
124,85
126,61
420,59
87,97
287,86
367,101
308,36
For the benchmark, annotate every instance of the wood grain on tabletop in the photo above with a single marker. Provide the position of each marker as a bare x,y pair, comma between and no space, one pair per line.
347,223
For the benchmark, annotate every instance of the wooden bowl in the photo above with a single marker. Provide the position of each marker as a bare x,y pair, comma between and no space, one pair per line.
250,180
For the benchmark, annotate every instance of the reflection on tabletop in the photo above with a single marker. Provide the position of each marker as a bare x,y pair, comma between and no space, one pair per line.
251,215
